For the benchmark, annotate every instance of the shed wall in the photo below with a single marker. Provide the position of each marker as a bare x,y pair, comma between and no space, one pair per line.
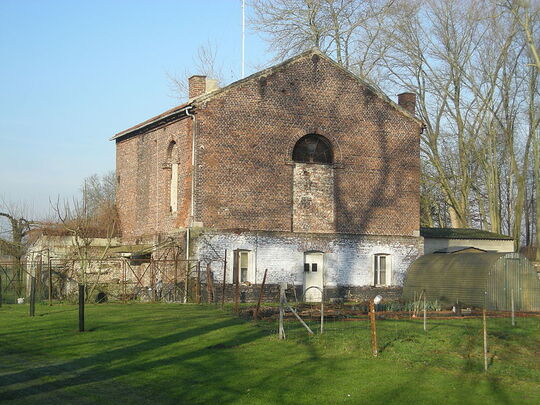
475,279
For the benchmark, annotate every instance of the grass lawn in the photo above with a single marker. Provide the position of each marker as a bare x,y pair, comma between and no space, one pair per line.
169,353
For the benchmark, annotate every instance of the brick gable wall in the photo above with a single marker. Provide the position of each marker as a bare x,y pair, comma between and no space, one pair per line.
244,170
246,136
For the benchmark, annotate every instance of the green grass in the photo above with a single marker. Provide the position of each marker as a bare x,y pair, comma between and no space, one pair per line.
168,353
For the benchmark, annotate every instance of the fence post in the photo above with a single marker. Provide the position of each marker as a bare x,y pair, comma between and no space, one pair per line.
124,282
425,326
322,311
281,329
186,282
153,279
50,279
374,349
0,290
198,282
224,280
81,307
260,296
513,310
175,296
485,341
39,283
237,294
32,295
209,283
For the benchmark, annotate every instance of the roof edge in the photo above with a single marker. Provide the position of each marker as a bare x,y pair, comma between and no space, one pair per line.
156,120
461,233
311,51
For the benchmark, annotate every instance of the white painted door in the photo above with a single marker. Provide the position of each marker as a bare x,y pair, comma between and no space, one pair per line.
313,276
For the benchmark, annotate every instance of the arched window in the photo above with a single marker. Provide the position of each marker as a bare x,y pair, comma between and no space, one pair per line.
171,151
313,148
173,184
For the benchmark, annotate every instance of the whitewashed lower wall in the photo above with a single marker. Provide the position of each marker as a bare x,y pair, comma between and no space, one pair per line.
348,258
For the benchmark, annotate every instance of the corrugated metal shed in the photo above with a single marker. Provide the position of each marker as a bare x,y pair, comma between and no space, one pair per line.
475,279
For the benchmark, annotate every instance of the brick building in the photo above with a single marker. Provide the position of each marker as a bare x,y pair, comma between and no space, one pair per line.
302,169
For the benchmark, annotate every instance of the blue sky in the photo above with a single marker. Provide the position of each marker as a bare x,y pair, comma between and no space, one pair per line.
73,73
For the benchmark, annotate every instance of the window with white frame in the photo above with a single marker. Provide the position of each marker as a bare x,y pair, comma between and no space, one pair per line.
242,266
382,270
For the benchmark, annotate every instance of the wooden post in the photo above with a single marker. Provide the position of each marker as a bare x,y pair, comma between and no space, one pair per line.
425,317
224,280
32,295
281,329
256,313
81,307
1,299
39,276
485,341
209,283
124,282
186,283
198,282
322,312
50,278
153,279
237,295
175,294
513,310
373,329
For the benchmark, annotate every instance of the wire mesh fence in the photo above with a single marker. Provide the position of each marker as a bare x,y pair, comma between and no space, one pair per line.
117,279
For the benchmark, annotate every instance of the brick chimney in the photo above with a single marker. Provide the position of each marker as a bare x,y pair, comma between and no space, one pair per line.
407,101
198,85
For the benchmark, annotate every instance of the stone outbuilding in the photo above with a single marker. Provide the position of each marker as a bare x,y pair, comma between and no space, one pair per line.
302,169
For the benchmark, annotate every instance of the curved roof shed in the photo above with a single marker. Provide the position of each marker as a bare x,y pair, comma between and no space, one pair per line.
475,279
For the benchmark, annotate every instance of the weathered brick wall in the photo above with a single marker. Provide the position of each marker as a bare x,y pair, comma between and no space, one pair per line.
144,173
244,171
313,198
246,137
348,259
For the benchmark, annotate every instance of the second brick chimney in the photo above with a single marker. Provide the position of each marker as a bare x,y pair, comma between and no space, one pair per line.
198,85
408,101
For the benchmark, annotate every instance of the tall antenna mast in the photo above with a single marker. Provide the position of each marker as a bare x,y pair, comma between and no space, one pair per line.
243,34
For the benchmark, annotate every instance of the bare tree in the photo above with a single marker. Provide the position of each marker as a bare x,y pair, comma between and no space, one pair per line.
347,30
205,62
99,191
84,228
13,239
527,15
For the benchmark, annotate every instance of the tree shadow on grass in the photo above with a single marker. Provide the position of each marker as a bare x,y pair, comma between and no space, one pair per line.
95,362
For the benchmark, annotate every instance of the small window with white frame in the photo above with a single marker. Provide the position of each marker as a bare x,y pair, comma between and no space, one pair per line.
242,266
382,270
